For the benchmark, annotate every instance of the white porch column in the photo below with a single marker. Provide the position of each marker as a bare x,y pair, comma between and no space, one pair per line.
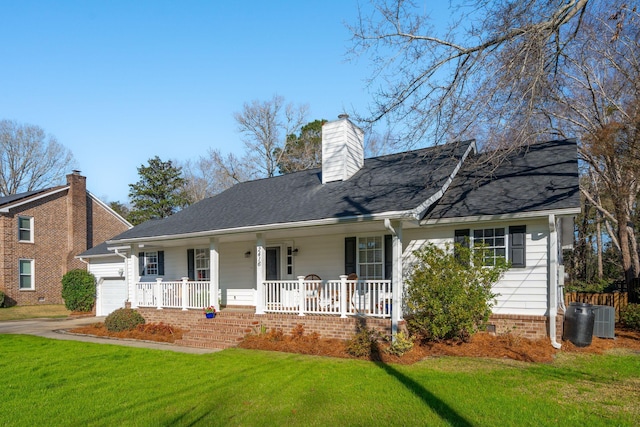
343,296
261,272
214,273
159,292
553,280
132,279
184,294
396,274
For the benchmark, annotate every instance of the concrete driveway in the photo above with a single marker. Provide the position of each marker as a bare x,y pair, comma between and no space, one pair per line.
57,329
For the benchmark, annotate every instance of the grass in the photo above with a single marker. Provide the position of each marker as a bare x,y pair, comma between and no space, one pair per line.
33,311
48,382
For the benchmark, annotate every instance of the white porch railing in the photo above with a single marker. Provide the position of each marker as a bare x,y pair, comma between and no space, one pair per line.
339,297
334,297
182,294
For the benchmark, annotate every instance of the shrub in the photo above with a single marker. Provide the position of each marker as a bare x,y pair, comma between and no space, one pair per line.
449,292
1,298
364,343
79,290
401,345
123,319
630,316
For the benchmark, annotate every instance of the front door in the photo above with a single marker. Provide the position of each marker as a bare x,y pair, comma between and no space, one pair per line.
273,263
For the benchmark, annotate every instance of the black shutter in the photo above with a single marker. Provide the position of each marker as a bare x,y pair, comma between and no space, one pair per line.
141,263
461,239
191,264
517,247
350,248
160,263
388,256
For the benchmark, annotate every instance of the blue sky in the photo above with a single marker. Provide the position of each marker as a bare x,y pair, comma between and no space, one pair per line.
118,82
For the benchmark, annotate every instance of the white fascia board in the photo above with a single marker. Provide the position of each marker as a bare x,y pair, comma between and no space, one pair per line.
400,215
422,208
33,199
114,213
503,217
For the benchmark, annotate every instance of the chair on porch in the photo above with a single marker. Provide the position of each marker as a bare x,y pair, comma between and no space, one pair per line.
312,291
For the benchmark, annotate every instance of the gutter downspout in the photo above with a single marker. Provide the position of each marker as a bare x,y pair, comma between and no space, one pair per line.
553,280
396,276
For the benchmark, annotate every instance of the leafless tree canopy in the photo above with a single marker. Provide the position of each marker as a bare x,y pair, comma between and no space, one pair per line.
30,159
264,127
488,70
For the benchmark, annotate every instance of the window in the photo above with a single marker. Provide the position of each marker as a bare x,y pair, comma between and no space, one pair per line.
497,244
494,242
202,264
370,257
26,274
25,229
151,263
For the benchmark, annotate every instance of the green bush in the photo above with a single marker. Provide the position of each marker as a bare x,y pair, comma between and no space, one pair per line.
79,290
364,343
1,299
630,316
123,319
449,292
401,345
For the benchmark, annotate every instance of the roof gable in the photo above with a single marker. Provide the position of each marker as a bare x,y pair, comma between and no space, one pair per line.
542,176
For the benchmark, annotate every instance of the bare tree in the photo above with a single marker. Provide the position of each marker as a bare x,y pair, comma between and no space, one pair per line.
265,127
30,159
491,67
214,173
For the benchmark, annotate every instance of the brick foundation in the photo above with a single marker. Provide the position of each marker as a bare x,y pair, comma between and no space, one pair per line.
533,327
325,326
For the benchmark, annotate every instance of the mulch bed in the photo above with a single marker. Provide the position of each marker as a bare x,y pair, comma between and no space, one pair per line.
508,346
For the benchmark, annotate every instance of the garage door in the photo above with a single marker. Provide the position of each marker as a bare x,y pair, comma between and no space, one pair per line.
111,296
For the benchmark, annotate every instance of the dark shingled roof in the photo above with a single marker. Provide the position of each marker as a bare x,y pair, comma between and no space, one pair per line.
542,176
15,197
398,182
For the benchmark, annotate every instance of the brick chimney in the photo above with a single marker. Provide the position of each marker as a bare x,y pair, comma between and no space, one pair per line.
76,217
342,149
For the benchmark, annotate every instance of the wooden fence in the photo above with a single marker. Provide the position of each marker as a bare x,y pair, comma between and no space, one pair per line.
618,300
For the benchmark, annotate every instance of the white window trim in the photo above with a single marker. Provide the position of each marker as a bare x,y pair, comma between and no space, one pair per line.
146,263
33,275
30,218
505,236
207,254
382,248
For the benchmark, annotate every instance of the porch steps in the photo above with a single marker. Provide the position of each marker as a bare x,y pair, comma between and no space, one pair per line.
226,330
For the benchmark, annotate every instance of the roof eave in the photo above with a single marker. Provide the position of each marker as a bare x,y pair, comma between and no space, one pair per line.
502,217
5,209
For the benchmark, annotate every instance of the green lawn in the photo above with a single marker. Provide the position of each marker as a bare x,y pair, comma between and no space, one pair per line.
31,311
50,382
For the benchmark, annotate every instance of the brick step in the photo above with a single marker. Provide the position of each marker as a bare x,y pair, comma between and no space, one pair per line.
226,330
215,335
204,344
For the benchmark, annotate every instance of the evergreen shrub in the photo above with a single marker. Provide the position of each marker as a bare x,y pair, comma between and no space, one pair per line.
79,290
449,292
123,319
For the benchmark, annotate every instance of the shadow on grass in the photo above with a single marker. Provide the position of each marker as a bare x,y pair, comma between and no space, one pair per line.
437,405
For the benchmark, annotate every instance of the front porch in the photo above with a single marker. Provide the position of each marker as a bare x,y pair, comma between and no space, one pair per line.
340,298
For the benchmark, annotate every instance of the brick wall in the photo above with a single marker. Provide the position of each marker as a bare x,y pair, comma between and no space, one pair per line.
533,327
325,326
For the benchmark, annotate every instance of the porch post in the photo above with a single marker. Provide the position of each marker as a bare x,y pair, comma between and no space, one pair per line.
261,271
343,296
302,295
159,292
397,285
214,274
184,294
135,277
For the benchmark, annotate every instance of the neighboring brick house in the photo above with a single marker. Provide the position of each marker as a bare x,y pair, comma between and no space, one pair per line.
42,231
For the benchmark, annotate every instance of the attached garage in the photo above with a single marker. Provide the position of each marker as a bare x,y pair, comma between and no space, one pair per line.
111,295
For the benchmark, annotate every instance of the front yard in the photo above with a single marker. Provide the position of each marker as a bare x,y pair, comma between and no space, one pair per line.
50,382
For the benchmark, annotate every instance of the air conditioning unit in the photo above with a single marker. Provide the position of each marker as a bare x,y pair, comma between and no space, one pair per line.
605,321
